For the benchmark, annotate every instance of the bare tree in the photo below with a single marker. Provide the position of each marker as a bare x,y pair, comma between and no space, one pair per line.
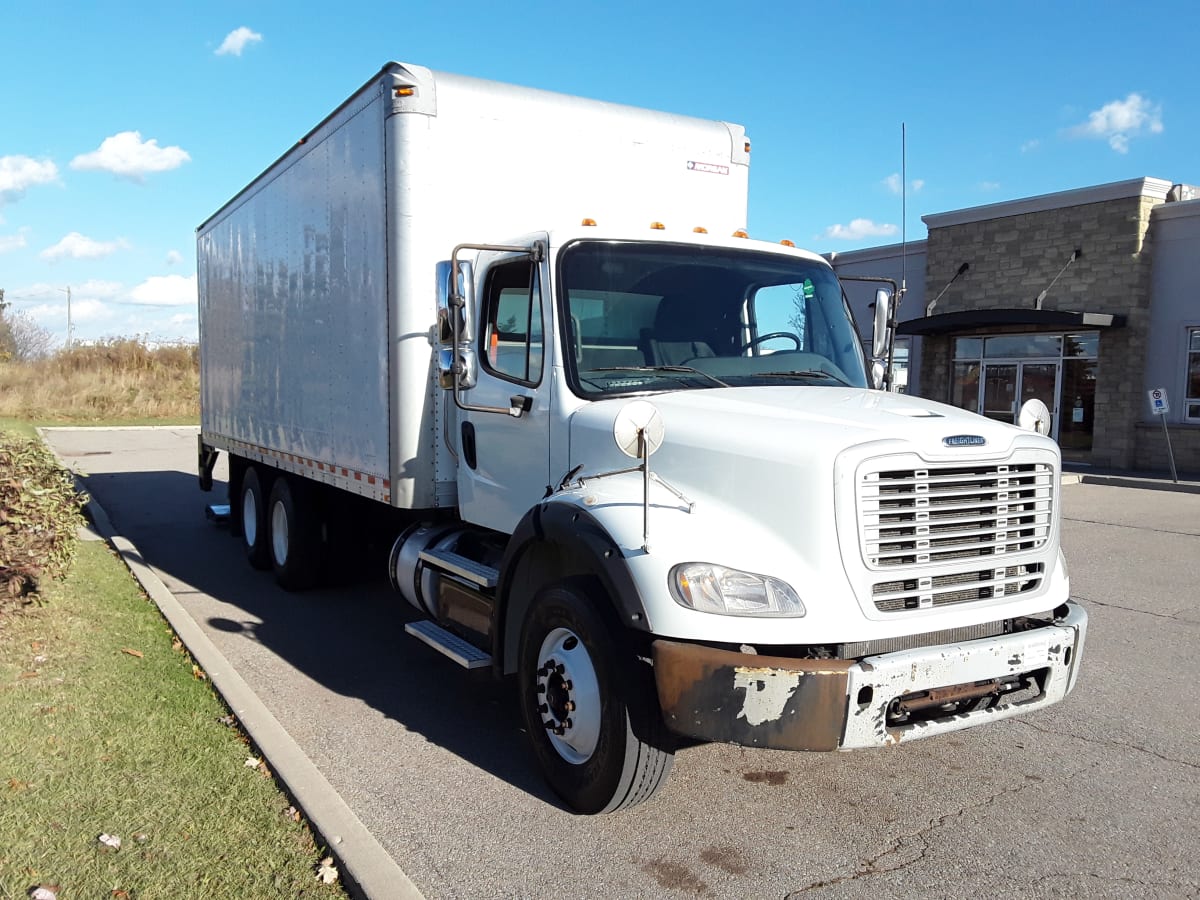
30,340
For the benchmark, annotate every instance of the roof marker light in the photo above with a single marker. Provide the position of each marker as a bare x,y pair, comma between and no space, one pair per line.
788,243
405,91
658,226
700,229
740,233
589,223
747,146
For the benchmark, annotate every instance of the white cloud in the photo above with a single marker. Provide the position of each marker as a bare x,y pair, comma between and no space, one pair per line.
894,184
54,315
1120,120
174,257
10,242
989,186
165,290
1030,145
237,41
859,229
182,319
128,156
18,173
78,246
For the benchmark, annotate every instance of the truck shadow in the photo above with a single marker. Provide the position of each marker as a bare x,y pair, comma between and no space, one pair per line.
347,635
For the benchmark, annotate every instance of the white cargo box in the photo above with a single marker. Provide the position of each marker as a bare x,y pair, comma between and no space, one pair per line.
317,281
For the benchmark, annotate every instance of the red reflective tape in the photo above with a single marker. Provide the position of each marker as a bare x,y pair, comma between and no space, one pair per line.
345,473
370,479
358,476
387,485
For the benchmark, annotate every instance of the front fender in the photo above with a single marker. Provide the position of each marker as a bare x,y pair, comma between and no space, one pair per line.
557,538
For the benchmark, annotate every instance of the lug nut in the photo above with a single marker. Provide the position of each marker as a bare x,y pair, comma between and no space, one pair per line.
543,709
570,706
567,723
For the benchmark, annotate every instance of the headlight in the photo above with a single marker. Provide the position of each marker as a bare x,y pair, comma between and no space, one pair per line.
728,592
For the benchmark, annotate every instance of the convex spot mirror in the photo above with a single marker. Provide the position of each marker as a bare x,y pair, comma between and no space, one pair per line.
1034,416
638,420
466,290
467,367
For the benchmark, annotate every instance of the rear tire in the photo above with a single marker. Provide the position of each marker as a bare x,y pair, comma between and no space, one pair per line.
589,705
295,539
254,520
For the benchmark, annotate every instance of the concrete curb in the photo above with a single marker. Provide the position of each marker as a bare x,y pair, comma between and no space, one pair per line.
367,870
1146,484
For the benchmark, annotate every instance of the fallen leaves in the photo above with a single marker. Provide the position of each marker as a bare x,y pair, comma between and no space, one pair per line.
198,673
327,872
109,843
138,653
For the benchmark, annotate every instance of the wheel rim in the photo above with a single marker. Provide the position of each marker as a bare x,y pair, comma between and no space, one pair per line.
279,533
568,692
250,517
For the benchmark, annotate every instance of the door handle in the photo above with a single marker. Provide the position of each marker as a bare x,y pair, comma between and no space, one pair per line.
519,404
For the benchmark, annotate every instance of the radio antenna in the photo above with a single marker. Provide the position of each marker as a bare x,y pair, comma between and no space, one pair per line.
903,211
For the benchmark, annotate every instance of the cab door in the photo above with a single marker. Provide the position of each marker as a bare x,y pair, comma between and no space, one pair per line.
503,464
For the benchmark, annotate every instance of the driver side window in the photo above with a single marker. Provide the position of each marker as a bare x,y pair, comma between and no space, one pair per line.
512,337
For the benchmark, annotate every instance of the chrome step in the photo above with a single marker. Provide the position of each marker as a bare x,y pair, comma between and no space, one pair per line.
217,512
456,564
466,655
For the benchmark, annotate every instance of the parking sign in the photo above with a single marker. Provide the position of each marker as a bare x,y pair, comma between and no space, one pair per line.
1158,402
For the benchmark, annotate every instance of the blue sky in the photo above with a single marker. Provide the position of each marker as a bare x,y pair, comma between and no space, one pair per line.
126,124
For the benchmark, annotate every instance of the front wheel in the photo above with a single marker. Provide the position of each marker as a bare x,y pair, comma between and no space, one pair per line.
589,705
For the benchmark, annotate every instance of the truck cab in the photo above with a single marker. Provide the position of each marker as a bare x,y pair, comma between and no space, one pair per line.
701,515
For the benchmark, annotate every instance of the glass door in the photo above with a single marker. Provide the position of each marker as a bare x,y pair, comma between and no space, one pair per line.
1000,391
1040,380
1007,385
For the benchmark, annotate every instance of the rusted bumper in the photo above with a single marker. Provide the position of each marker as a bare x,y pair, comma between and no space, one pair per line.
796,704
757,701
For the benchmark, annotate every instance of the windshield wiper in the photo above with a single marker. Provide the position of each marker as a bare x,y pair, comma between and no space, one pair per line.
805,373
684,369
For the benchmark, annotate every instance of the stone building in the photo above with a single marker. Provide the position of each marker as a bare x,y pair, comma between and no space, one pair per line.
1086,299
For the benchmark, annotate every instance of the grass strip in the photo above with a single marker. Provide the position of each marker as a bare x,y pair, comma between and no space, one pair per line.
108,728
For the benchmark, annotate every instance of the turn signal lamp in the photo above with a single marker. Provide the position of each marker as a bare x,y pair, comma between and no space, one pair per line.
658,226
788,243
590,223
747,146
699,229
740,233
405,91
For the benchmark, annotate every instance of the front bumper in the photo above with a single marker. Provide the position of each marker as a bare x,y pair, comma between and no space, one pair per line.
798,704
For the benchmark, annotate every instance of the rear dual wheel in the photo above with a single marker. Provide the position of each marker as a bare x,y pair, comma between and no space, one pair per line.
590,706
295,536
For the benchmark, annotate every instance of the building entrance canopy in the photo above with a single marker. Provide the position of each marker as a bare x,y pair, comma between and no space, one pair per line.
967,320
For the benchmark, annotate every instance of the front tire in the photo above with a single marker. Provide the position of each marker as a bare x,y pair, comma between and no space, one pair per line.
589,705
295,543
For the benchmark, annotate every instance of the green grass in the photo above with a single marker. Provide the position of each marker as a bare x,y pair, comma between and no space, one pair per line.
98,740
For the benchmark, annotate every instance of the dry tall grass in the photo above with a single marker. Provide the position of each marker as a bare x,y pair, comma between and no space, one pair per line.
119,380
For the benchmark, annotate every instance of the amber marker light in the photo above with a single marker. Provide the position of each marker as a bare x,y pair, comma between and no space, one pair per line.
740,233
788,243
590,223
700,229
405,91
658,226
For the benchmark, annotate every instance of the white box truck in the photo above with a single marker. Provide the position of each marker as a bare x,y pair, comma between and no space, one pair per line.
628,455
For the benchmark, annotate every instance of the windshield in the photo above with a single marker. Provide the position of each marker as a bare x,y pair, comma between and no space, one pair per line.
655,317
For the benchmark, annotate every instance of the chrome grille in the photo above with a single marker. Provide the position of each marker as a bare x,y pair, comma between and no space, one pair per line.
917,516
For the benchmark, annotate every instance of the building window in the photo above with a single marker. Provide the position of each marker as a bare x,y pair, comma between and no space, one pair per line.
1191,404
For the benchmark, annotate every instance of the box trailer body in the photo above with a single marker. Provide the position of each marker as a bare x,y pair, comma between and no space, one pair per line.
314,344
626,454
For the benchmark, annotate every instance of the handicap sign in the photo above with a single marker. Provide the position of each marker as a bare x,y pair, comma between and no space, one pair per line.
1158,401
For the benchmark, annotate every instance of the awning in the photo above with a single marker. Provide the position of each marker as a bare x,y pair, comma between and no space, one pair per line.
971,319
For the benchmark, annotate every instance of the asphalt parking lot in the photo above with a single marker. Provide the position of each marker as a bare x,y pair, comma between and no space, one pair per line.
1097,797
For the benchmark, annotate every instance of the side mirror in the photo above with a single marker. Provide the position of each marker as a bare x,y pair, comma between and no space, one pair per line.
465,293
883,314
467,368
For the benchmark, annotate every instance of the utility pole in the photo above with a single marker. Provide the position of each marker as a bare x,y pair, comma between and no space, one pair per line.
70,327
